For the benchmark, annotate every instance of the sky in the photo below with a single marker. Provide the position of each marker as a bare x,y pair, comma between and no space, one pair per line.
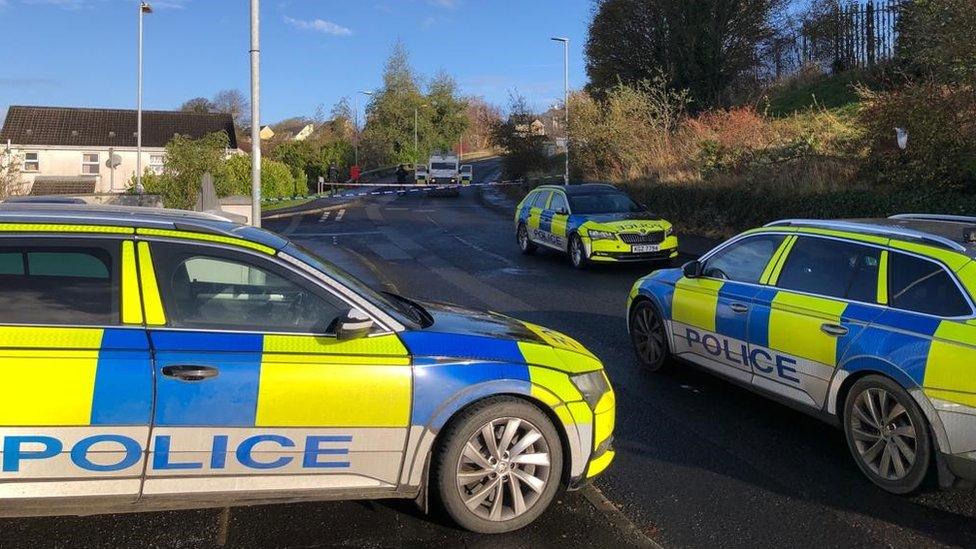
313,52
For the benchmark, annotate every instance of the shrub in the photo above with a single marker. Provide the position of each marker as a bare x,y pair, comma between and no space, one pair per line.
277,180
186,162
941,125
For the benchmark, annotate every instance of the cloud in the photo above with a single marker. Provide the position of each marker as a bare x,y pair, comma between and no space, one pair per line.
318,25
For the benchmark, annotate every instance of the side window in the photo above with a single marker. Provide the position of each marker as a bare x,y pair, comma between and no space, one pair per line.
541,199
76,285
745,260
218,290
923,286
558,202
832,268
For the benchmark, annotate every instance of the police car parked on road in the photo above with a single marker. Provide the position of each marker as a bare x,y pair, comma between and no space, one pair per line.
155,358
592,223
867,324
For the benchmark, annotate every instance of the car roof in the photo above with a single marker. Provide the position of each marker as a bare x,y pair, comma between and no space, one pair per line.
954,233
582,188
135,217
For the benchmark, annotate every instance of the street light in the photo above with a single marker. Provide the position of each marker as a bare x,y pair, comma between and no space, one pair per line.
356,122
144,8
416,146
255,113
565,42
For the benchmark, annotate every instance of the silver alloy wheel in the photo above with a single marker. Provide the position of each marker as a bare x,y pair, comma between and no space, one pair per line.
883,434
576,250
503,469
648,333
523,237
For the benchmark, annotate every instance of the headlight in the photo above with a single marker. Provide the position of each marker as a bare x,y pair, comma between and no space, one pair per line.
669,231
593,385
602,235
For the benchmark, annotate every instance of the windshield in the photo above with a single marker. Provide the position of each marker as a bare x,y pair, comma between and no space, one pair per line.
405,311
443,166
599,203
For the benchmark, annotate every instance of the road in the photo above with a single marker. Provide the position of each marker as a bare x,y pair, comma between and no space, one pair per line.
700,462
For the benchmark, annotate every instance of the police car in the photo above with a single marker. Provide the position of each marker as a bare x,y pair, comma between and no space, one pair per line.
155,358
593,223
869,324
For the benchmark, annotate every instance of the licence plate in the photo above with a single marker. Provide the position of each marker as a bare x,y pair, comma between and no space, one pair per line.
645,248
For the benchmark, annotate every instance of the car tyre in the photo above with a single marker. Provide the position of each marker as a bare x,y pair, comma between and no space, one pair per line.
524,468
524,243
577,252
649,337
887,434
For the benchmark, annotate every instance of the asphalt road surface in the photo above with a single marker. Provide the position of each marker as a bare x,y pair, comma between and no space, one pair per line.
700,462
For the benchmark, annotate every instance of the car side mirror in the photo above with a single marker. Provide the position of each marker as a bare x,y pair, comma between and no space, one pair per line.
692,269
562,211
353,325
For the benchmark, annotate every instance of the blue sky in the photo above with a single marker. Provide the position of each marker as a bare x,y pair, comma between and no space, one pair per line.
82,52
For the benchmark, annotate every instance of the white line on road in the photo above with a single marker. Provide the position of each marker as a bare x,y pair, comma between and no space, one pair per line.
325,216
340,214
348,233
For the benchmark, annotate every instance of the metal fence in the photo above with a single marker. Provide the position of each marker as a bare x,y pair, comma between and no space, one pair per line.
845,36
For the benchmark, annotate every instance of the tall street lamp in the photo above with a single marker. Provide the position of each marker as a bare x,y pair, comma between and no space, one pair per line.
144,8
356,122
565,42
255,113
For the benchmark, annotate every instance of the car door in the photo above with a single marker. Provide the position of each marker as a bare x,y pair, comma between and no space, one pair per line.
76,389
826,294
558,214
538,222
710,313
255,391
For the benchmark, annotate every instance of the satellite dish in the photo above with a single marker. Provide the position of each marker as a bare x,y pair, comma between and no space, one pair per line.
114,161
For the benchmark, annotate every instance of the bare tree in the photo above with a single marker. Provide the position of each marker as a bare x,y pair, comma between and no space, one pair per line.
197,104
234,103
10,182
483,117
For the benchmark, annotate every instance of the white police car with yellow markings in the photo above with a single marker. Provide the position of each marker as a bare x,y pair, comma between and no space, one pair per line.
155,358
592,223
870,325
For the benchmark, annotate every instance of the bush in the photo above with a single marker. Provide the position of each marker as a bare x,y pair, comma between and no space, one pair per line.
277,180
941,125
186,162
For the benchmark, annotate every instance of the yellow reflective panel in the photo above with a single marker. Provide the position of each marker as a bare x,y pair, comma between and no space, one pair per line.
308,381
953,260
207,238
695,302
794,326
882,297
603,424
949,368
600,464
48,375
786,246
556,382
131,300
63,228
155,314
967,275
774,262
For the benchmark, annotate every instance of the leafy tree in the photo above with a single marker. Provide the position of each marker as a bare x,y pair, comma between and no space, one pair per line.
938,40
705,46
197,105
186,162
525,151
388,135
277,179
445,114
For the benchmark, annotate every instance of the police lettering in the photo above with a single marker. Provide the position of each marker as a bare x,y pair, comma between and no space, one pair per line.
758,358
319,451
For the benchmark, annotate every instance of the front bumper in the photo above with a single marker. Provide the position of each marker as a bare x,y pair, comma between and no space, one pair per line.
618,251
602,454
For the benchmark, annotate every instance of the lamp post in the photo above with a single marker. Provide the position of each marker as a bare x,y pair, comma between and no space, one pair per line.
144,8
356,122
565,42
255,113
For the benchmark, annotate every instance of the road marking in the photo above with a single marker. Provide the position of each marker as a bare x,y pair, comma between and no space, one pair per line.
293,225
325,216
617,517
348,233
341,213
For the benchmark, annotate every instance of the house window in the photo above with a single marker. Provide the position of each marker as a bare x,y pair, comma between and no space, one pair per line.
156,163
31,162
89,163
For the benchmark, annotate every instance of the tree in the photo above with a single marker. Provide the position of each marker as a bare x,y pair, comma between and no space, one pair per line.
185,162
389,131
197,105
343,119
705,46
938,40
234,103
482,117
445,114
10,182
525,151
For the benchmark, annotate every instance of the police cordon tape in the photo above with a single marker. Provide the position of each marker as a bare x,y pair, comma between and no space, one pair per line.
399,189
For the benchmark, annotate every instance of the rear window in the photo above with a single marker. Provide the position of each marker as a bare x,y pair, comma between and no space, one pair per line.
923,286
832,268
61,285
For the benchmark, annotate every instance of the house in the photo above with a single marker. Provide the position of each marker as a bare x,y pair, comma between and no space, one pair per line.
266,133
64,150
304,133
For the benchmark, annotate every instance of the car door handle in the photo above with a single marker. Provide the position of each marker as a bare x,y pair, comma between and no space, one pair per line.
833,329
189,372
739,308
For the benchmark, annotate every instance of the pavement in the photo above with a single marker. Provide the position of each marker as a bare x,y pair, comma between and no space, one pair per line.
700,462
